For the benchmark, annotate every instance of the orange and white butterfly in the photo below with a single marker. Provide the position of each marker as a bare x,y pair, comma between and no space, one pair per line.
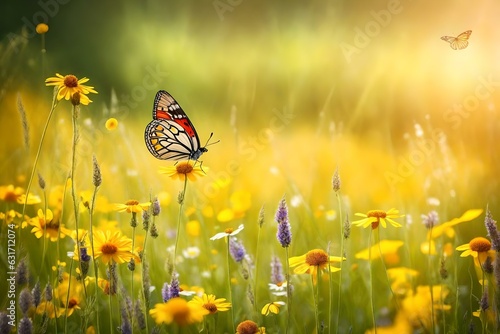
460,42
171,135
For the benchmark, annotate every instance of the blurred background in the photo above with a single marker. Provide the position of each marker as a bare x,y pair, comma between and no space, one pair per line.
292,90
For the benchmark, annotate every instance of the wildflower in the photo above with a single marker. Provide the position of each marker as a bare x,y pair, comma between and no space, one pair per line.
165,292
22,272
191,252
70,293
41,181
261,216
182,170
375,217
278,289
277,276
139,315
479,248
132,206
336,180
284,233
447,227
313,261
126,326
193,228
236,250
68,85
418,305
41,28
179,311
111,124
174,288
431,219
112,246
211,303
48,226
25,326
96,175
228,232
37,294
25,300
16,195
5,323
156,207
385,248
273,307
401,279
249,327
491,227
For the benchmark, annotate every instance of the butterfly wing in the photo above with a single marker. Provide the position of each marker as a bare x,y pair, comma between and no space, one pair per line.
460,42
171,135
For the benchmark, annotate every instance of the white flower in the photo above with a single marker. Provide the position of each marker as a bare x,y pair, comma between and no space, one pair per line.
228,232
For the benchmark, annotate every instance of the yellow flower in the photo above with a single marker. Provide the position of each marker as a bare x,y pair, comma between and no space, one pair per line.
73,297
479,248
418,305
212,304
182,170
111,124
41,28
112,246
401,279
249,327
376,217
313,261
48,226
386,247
273,307
193,228
69,85
16,195
179,311
132,206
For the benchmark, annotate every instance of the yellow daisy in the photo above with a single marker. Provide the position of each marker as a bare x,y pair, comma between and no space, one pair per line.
479,248
249,327
112,246
48,226
179,311
313,261
68,85
182,170
273,307
212,304
132,206
375,217
17,195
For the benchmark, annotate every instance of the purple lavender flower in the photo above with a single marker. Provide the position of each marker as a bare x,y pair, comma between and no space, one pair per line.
284,234
491,227
276,271
236,250
165,292
174,289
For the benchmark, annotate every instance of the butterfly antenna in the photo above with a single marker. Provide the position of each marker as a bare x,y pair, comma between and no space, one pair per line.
215,142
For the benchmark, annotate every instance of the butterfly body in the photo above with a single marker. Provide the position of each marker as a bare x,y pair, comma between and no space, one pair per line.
460,42
171,135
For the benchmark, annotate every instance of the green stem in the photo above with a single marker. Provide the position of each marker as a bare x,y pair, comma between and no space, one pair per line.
96,272
339,203
316,296
229,285
429,263
44,132
371,283
182,195
288,291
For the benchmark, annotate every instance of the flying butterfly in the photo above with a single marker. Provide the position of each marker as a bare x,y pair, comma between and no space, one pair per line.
460,42
171,135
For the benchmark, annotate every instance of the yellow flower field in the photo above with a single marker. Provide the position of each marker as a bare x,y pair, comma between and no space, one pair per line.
249,167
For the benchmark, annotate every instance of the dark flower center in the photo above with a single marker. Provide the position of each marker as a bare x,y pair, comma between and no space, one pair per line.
70,81
316,257
480,245
109,249
184,168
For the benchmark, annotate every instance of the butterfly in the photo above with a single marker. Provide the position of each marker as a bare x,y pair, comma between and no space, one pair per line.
171,135
460,42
